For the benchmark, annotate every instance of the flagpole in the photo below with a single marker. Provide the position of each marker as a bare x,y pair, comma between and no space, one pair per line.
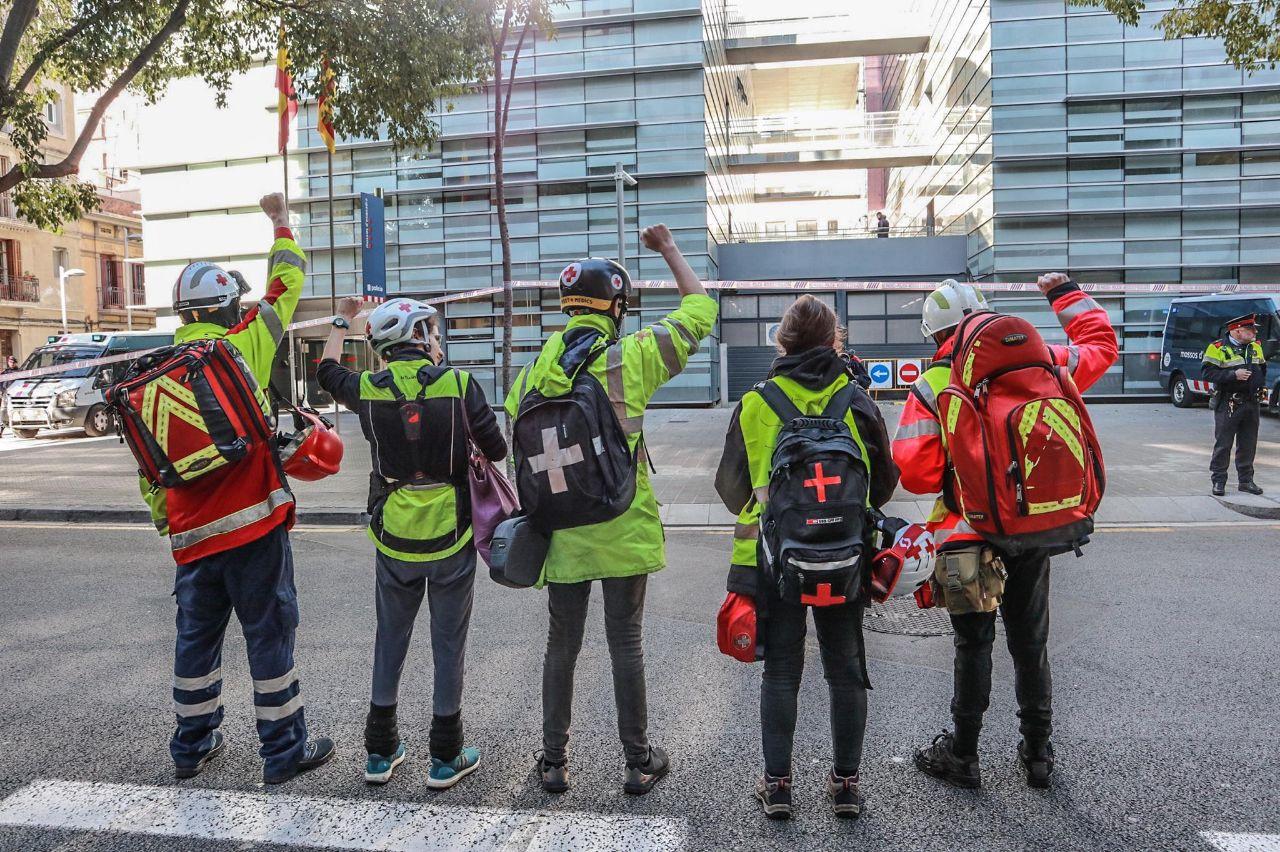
333,254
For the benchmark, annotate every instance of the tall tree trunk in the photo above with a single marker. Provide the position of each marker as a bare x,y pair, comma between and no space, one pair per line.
504,234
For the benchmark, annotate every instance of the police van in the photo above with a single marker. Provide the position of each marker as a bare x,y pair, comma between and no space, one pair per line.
1195,322
73,398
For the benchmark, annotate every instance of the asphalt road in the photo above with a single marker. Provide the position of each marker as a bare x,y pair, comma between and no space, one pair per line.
1163,647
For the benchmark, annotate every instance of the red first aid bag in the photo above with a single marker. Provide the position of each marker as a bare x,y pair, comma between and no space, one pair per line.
1027,464
736,629
189,410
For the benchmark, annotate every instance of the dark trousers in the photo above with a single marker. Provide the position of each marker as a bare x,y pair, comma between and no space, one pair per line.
840,642
448,585
1241,428
255,581
623,622
1025,610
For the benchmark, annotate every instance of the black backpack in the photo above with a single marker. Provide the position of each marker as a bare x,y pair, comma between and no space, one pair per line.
574,466
815,525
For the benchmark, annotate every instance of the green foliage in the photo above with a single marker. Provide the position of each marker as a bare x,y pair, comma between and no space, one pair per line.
1249,30
395,62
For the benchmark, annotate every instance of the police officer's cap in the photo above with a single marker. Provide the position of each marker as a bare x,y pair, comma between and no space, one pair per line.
593,284
1246,321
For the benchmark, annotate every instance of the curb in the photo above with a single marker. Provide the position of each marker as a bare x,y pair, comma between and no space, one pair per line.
1253,506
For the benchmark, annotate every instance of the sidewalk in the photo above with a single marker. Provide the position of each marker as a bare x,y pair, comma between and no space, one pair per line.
1157,458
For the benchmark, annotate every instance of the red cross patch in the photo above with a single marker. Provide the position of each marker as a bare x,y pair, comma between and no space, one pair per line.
616,281
405,307
819,482
222,279
571,273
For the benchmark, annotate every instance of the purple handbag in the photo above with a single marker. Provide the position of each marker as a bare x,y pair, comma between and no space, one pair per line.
493,498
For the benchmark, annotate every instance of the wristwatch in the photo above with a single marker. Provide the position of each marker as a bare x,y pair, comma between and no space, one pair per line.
341,322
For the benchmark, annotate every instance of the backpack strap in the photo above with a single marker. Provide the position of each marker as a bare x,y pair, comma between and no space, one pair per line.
778,401
840,402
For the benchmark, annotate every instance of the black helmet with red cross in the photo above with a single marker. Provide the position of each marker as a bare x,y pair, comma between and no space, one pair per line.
592,285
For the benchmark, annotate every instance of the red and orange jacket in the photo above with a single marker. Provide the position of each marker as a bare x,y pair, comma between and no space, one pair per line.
918,448
242,502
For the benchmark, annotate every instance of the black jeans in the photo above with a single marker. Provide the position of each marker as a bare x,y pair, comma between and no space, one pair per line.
840,641
1241,428
1025,609
623,623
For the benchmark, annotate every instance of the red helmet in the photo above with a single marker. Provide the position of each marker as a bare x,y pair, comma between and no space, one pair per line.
736,629
313,451
904,566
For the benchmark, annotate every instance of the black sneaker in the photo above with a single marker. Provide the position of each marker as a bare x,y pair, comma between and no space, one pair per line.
775,796
846,800
1038,763
941,762
555,776
641,777
315,753
1219,489
1250,487
214,750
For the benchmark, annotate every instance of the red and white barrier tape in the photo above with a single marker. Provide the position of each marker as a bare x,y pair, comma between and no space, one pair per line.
754,286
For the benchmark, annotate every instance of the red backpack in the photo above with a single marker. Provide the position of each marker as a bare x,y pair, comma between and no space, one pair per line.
1027,465
189,410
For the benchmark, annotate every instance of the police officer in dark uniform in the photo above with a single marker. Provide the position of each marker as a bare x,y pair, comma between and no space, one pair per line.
1238,370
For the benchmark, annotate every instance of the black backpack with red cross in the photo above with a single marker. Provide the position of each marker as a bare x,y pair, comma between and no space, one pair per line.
815,527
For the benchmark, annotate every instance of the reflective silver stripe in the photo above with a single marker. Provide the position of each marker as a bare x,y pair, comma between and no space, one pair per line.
289,258
761,494
204,708
616,387
746,531
920,429
1075,309
927,396
826,566
687,335
284,711
667,348
1073,357
272,319
232,522
276,684
190,684
961,528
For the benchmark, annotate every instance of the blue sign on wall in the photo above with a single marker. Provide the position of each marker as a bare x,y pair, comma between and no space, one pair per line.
373,246
881,374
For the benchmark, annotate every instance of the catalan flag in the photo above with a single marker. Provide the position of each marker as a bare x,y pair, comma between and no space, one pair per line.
288,102
324,121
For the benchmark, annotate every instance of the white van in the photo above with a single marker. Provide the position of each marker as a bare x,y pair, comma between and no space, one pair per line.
74,398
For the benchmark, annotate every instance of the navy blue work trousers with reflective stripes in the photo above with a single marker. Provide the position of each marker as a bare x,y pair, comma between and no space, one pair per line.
255,581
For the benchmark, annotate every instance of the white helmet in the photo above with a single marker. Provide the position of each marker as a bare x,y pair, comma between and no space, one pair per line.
394,322
946,306
206,285
918,549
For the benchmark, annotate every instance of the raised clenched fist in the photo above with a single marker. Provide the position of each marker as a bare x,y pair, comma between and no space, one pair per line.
658,238
273,205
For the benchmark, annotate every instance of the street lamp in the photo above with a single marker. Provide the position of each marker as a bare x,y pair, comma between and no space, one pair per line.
63,275
620,177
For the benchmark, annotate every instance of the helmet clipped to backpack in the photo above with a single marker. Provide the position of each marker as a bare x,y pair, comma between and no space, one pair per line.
313,450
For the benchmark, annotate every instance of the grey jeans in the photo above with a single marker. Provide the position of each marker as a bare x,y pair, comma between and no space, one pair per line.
447,584
623,620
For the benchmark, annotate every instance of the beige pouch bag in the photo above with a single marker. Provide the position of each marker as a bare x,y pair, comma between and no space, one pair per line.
971,579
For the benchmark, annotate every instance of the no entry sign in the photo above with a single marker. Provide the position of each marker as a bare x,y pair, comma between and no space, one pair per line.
908,371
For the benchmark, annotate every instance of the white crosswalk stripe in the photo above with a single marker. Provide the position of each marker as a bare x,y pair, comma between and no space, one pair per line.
1228,841
311,822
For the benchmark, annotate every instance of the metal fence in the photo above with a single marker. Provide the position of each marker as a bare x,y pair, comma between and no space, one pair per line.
19,288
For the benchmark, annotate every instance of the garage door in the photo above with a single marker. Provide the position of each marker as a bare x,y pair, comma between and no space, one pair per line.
747,365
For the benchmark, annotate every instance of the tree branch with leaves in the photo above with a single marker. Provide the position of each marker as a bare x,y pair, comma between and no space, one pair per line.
397,61
1249,30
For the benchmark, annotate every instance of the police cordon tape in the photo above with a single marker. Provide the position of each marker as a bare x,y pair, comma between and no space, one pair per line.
754,286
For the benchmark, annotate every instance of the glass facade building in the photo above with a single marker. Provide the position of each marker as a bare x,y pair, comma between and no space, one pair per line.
642,83
1075,143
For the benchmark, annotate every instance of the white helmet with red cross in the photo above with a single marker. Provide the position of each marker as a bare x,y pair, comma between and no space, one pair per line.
204,285
396,321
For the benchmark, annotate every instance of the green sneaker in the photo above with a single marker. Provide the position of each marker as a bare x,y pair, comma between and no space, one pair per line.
379,769
444,775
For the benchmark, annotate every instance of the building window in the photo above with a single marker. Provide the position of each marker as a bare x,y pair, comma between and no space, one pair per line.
53,112
6,202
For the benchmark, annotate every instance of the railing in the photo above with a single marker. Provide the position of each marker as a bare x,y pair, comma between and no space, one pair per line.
19,288
870,130
110,295
748,232
786,30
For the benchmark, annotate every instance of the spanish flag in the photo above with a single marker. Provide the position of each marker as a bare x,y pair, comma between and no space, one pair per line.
324,122
288,101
